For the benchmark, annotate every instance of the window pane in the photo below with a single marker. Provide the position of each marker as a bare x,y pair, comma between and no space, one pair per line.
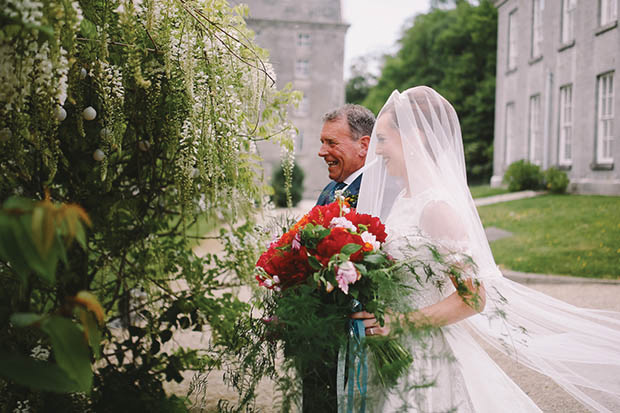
512,40
605,117
566,127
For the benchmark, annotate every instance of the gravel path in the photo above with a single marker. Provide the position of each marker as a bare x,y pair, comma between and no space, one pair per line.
598,294
545,393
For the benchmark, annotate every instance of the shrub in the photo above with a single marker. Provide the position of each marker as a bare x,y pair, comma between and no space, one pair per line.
522,175
556,180
279,186
146,115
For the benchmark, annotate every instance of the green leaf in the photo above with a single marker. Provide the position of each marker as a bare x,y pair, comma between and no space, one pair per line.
70,350
25,319
375,259
37,374
94,334
350,249
360,267
314,263
45,267
88,29
19,203
80,236
9,249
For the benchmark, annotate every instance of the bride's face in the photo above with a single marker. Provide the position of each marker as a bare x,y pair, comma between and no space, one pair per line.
389,146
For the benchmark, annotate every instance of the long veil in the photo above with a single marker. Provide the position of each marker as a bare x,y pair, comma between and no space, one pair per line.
416,150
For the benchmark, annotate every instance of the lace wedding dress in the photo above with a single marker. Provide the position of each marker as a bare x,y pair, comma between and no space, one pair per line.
434,382
415,181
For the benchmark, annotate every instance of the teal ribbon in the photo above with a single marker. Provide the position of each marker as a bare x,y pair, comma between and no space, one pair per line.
357,368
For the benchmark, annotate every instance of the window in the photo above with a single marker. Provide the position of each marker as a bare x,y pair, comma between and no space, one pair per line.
608,11
509,132
537,30
534,128
512,40
568,20
304,107
302,68
566,125
299,141
605,115
304,40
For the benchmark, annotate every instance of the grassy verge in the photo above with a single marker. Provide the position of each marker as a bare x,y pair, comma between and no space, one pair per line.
558,234
481,191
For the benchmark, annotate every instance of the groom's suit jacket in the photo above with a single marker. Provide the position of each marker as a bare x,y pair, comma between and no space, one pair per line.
321,379
327,195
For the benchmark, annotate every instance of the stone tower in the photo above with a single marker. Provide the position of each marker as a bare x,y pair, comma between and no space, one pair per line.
305,40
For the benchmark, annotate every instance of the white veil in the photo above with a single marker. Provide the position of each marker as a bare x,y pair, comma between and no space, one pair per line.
416,150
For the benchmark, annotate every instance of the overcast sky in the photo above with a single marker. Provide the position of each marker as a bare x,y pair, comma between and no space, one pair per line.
375,25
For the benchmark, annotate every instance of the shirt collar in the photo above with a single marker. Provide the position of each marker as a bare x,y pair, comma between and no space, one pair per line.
353,177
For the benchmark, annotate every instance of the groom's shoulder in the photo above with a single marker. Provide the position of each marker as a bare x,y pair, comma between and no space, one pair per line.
355,185
329,186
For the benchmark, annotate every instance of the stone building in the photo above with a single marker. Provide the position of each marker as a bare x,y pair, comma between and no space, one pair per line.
555,98
306,45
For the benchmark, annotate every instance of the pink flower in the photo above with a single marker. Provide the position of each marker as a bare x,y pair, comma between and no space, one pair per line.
296,243
345,275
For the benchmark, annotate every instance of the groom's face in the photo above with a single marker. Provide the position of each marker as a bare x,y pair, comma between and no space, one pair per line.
342,154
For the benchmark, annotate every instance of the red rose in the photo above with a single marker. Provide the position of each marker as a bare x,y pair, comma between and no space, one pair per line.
291,266
323,214
333,243
373,224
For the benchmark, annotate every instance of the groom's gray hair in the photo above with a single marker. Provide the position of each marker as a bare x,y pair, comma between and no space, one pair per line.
360,119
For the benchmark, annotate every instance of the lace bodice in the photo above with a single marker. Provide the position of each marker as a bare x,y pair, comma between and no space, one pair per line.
406,238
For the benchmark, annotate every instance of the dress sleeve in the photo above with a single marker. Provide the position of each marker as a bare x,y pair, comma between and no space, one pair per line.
440,222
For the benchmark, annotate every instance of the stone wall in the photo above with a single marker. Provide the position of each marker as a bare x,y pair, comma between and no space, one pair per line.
593,50
306,45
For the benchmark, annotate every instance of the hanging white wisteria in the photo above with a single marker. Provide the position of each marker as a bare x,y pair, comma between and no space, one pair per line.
145,113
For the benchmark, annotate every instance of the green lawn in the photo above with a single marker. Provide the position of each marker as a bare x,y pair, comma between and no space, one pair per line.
558,234
481,191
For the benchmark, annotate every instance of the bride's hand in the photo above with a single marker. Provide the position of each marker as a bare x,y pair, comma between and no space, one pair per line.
372,325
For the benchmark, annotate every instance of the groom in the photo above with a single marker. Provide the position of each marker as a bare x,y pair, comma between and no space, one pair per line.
344,143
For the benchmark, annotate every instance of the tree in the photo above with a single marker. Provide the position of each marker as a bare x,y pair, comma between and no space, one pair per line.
146,115
361,81
454,52
284,196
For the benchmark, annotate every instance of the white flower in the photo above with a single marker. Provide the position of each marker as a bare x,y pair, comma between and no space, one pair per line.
40,353
202,204
339,195
342,222
22,407
89,113
276,279
369,238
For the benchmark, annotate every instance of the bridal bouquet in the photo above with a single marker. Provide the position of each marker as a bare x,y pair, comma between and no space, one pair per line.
327,265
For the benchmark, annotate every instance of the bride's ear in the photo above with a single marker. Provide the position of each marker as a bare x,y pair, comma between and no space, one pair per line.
364,142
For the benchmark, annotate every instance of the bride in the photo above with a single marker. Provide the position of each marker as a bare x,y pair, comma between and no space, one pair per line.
419,189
